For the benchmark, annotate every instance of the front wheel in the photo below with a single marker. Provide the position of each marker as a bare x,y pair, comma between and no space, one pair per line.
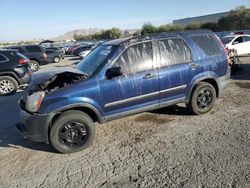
73,131
202,99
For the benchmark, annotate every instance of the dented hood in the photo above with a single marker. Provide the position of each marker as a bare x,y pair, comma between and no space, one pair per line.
45,75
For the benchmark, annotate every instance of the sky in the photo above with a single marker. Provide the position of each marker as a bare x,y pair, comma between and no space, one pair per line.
35,19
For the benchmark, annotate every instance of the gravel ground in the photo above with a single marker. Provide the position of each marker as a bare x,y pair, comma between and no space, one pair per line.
163,148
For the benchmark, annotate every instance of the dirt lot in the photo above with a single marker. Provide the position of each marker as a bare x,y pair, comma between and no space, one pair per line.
164,148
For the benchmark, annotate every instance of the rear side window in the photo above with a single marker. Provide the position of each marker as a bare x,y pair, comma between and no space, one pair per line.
208,44
21,56
3,58
49,52
33,49
173,51
136,58
246,38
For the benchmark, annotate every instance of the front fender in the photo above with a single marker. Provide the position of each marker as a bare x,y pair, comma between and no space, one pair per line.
65,104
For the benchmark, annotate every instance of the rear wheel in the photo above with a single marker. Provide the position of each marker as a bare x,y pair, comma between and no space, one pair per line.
56,59
73,131
202,99
8,85
34,66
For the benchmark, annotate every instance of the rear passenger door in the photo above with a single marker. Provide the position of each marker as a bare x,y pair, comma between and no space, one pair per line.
176,69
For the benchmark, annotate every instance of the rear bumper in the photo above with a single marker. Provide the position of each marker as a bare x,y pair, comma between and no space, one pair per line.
224,80
25,79
35,126
44,62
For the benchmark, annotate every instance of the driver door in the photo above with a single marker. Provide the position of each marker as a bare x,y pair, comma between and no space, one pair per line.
137,87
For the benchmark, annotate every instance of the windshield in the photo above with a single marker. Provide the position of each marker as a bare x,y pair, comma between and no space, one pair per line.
227,40
95,59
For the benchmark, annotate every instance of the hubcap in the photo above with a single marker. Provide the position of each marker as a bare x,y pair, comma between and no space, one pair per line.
73,134
204,99
6,86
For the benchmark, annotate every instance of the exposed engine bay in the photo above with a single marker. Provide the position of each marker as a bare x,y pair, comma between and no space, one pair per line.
60,80
53,82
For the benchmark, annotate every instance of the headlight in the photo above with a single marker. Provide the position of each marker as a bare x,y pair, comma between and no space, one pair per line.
34,101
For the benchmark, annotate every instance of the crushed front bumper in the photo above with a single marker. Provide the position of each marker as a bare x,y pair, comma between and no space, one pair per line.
35,127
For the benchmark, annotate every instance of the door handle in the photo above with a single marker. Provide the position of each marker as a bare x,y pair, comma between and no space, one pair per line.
148,76
193,66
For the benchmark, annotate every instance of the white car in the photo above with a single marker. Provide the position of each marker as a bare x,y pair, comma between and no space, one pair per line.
83,54
241,43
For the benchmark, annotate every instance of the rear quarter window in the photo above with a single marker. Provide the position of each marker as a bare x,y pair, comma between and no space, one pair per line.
3,58
208,44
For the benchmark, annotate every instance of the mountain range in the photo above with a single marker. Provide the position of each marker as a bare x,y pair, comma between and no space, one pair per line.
70,35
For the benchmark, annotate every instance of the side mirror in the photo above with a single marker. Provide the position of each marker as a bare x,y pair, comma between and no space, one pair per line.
113,72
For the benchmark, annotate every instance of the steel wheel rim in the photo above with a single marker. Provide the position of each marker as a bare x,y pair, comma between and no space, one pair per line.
6,86
73,134
204,99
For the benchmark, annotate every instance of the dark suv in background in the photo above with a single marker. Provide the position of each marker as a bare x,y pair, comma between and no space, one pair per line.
14,71
35,53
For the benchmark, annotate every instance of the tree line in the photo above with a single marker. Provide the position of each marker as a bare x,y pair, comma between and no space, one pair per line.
237,19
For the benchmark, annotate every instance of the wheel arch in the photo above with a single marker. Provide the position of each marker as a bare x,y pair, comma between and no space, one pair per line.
11,75
211,80
86,108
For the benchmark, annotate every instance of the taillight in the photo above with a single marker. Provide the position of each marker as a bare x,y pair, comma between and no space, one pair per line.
23,61
225,49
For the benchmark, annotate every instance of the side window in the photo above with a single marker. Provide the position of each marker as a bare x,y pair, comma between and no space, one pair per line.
136,58
208,44
3,58
49,52
246,38
33,49
238,40
173,51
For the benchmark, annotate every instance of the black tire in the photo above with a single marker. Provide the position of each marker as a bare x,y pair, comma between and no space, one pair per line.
8,85
73,131
56,59
34,66
202,99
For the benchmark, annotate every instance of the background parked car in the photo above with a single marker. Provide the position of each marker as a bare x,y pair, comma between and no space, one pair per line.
80,49
35,53
83,54
71,49
59,50
14,71
240,43
54,56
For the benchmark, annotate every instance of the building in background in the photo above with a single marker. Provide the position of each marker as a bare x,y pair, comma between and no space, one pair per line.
201,19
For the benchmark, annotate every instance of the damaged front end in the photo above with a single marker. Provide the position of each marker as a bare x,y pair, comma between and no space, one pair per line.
45,83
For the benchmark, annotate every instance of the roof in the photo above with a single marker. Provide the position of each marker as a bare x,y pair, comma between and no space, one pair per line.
131,40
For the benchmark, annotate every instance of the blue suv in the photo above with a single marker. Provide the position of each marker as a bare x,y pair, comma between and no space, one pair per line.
120,78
